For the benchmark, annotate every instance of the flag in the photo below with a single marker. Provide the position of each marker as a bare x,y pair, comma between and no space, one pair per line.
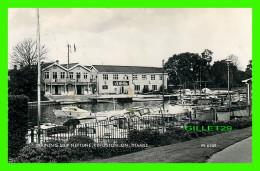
74,48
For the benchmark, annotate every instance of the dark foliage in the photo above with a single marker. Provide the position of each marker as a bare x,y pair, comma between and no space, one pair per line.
31,153
24,82
80,153
17,123
186,68
52,152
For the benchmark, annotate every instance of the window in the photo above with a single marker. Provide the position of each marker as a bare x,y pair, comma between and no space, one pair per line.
54,75
152,77
135,77
46,75
105,76
78,68
125,77
54,67
144,77
85,75
115,76
105,87
160,77
154,87
137,87
71,75
78,75
62,75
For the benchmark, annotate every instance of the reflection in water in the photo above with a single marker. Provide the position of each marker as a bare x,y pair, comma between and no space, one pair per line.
47,115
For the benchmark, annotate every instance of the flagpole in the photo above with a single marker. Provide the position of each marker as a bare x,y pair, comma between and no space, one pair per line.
68,56
67,77
39,75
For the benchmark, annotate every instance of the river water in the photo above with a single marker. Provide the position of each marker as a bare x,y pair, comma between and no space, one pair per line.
47,115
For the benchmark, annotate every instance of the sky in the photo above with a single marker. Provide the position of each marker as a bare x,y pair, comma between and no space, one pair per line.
134,36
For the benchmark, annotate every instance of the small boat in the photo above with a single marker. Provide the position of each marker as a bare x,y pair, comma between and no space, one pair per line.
73,112
68,102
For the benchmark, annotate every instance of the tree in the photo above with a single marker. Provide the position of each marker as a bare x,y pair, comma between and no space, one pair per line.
220,74
23,82
25,53
234,60
249,69
219,68
207,55
186,68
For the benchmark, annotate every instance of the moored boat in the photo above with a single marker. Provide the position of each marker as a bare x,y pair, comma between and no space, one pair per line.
73,112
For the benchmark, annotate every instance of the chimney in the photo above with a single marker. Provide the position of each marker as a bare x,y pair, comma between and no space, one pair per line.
57,61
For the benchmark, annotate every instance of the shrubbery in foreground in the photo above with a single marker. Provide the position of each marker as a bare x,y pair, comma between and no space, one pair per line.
51,153
17,123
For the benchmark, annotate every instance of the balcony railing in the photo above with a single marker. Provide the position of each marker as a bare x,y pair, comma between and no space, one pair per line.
66,80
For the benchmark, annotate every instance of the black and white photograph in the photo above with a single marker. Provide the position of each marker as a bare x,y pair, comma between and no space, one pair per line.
130,85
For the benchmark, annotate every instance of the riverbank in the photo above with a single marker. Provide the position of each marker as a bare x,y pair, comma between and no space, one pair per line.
78,99
185,152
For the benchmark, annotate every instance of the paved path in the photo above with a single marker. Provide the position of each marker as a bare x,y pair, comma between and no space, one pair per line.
185,152
240,152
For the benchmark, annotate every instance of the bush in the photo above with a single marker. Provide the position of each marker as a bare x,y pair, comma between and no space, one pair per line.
146,136
136,136
31,153
240,123
155,138
49,152
17,123
193,134
185,137
54,153
80,153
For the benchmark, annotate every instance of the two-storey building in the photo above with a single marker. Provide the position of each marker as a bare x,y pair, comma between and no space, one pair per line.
72,79
112,79
77,79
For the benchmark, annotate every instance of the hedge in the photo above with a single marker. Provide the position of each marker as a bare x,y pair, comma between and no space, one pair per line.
17,123
32,153
80,153
52,151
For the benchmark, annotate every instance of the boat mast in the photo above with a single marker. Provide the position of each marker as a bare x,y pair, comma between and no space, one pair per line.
39,73
163,96
163,82
114,104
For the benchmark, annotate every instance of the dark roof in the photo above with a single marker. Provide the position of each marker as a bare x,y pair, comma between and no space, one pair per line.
70,65
127,69
46,64
87,66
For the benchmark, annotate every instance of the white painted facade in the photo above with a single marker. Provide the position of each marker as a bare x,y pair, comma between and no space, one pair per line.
58,80
80,80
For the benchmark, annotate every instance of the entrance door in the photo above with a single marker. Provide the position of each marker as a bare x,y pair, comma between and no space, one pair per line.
56,88
79,90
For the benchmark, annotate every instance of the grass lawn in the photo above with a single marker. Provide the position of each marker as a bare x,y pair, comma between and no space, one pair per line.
184,152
